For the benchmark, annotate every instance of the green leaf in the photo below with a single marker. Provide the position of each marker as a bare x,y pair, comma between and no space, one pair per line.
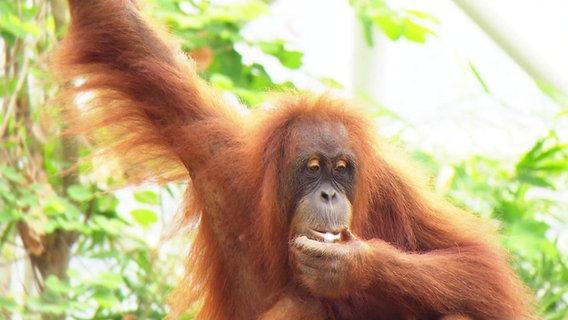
554,298
51,225
108,280
106,204
74,226
527,177
144,217
331,83
80,193
55,285
105,298
147,197
421,15
528,237
6,193
395,23
40,305
553,166
11,174
71,211
415,32
15,26
9,215
478,77
227,64
367,26
551,152
221,81
240,12
390,24
8,303
289,58
110,226
54,207
5,9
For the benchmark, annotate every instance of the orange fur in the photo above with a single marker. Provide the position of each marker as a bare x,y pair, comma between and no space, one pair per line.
150,110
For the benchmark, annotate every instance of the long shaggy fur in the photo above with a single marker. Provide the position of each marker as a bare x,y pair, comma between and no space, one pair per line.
144,105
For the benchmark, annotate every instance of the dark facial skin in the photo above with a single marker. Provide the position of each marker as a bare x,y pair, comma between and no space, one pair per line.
323,177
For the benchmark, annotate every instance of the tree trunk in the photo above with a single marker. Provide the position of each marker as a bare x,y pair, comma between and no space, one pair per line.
49,254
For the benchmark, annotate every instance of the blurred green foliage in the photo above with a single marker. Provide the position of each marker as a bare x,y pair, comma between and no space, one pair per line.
522,199
116,270
212,31
413,25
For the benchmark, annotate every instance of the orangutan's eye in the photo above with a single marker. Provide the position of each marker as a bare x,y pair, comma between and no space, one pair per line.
314,165
341,165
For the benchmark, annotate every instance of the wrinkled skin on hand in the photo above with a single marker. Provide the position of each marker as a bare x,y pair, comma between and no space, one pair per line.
334,270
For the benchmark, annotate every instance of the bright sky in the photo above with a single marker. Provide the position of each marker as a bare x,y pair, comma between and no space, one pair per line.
431,85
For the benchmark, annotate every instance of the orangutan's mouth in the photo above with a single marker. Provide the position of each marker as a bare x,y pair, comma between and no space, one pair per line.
325,236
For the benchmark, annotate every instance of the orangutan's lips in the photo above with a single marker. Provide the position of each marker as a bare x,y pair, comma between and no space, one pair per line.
327,236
